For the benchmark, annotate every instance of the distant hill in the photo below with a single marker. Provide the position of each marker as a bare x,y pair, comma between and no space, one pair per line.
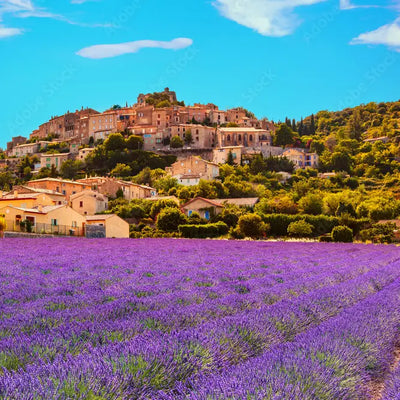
371,120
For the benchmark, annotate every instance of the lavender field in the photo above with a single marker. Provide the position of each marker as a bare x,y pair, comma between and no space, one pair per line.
199,320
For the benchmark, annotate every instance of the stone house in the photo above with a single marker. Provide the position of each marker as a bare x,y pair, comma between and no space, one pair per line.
89,202
189,171
301,159
65,187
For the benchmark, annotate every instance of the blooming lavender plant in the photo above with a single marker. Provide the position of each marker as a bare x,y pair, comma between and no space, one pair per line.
181,319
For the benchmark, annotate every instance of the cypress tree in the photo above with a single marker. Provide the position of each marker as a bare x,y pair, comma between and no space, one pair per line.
312,126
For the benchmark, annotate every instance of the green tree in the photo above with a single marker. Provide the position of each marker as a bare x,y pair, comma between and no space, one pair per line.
176,142
27,174
165,184
340,162
6,180
169,219
163,104
283,136
119,194
70,169
134,142
257,165
160,205
354,125
115,142
312,125
122,170
230,160
188,137
312,204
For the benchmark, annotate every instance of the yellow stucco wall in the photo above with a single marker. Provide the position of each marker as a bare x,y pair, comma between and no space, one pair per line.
116,227
65,216
42,199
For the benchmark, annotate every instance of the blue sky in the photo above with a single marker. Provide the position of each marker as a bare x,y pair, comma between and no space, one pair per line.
276,57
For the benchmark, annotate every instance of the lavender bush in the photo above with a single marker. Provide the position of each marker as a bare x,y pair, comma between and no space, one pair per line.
177,319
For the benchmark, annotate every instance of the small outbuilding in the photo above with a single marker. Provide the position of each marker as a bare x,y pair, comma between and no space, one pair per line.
115,226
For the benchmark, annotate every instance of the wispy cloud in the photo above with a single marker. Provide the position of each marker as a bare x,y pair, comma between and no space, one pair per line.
267,17
349,5
388,35
27,9
8,32
114,50
81,1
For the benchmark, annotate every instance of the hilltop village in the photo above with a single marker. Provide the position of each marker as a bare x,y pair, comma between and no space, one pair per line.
112,173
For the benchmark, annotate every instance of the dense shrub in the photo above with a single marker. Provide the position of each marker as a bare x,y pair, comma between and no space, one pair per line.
342,234
300,229
2,224
169,219
251,225
161,204
356,225
326,239
379,233
204,231
312,204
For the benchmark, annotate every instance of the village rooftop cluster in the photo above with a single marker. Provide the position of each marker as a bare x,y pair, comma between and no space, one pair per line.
209,137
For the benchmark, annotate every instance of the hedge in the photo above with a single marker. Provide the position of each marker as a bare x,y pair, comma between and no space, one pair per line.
203,231
322,224
279,223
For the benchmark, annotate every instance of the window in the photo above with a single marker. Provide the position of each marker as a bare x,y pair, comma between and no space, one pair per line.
251,138
64,192
190,212
53,222
81,204
74,224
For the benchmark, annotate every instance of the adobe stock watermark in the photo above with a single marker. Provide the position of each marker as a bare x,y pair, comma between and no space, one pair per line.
256,90
125,14
46,94
321,24
177,67
369,79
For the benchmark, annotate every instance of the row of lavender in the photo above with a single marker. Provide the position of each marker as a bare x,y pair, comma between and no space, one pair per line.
392,390
168,319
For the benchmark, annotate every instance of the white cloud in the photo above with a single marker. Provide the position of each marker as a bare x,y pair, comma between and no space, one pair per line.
27,9
114,50
81,1
349,5
267,17
388,35
8,32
